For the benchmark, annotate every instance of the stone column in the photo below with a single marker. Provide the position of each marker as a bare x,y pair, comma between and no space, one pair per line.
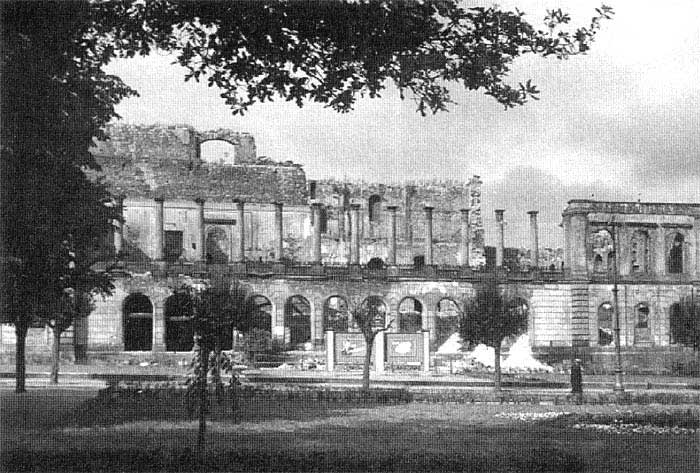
428,235
279,232
201,254
464,238
159,236
316,209
391,260
501,238
240,207
118,226
534,240
355,236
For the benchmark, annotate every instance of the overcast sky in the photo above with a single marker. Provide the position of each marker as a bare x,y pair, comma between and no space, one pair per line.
621,122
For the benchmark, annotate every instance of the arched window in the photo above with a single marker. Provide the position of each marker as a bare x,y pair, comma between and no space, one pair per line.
639,252
605,324
261,309
376,309
446,321
675,255
410,315
217,245
375,208
217,152
603,253
138,323
297,318
642,313
179,330
335,314
598,266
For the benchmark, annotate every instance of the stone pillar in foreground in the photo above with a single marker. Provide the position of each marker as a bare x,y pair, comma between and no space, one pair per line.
201,254
279,233
240,208
159,232
355,236
316,209
534,240
391,259
428,235
500,246
464,238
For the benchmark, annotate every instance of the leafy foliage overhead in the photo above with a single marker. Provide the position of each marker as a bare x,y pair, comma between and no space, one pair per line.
334,51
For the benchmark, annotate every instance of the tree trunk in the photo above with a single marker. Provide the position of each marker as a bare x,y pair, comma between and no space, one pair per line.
368,360
204,366
497,370
20,362
55,354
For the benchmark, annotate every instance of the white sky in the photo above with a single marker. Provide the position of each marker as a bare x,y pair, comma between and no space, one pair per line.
621,122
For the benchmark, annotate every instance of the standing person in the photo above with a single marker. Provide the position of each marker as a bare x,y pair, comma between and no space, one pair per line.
576,378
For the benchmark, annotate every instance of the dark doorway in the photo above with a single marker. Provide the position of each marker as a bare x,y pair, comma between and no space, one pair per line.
173,245
675,256
297,317
138,323
179,331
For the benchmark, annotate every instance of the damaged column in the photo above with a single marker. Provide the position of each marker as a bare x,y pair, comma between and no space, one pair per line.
355,234
118,226
534,240
279,233
201,254
316,209
464,238
500,246
428,234
240,207
158,235
391,257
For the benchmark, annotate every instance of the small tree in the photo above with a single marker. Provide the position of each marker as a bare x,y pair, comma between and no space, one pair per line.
489,317
71,306
369,317
215,312
685,323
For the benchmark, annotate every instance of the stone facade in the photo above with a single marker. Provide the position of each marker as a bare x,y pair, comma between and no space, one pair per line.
301,249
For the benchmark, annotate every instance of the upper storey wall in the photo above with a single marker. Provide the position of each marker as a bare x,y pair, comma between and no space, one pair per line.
165,161
174,142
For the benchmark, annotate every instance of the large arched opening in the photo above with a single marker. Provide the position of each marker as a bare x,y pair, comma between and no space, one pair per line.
261,316
605,324
410,315
375,309
217,152
297,319
138,323
642,326
179,328
446,321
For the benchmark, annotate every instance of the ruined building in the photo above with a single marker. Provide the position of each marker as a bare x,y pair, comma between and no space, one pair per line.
199,206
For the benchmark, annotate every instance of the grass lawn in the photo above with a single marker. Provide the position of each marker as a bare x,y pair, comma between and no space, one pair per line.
62,430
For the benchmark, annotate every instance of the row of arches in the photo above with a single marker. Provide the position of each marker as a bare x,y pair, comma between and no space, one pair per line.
138,318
